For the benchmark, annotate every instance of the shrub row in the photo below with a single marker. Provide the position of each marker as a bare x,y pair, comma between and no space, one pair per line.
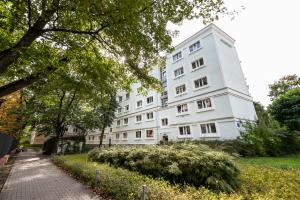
121,184
196,165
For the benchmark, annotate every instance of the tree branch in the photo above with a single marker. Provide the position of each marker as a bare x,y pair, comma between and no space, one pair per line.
75,31
29,12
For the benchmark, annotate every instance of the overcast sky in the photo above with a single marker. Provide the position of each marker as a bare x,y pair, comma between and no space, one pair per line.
267,34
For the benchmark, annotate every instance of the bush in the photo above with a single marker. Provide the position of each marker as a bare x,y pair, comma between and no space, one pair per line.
258,182
197,165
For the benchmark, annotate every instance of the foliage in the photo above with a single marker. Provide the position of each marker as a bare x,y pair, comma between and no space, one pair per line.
10,122
283,85
39,37
197,165
262,113
286,109
120,184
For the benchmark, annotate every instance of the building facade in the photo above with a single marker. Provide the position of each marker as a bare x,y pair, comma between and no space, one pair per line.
205,96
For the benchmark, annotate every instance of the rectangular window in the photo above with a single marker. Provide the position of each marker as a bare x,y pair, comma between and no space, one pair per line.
126,108
194,46
117,136
204,104
179,72
124,135
184,130
164,122
110,130
119,110
149,133
149,115
208,128
138,134
139,104
180,89
138,118
104,137
150,100
120,98
183,108
177,56
201,82
125,121
197,63
118,122
127,96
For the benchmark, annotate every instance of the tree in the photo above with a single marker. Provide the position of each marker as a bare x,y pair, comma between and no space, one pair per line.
261,112
11,122
286,109
283,85
37,35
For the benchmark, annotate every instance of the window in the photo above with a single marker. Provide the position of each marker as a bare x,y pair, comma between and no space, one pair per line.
149,115
177,56
138,134
125,121
194,46
201,82
126,108
139,104
197,63
208,128
119,110
127,96
150,100
124,135
104,137
117,136
184,130
182,108
178,72
110,130
138,118
120,98
180,89
149,133
203,104
118,122
164,122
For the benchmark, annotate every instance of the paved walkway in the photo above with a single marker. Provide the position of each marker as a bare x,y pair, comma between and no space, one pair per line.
34,177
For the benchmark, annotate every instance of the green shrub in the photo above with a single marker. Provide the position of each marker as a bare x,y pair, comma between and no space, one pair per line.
197,165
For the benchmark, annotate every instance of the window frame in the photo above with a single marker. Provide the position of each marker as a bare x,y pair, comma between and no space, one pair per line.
138,138
177,59
141,104
184,135
183,93
140,120
167,120
151,119
197,48
146,136
127,121
204,86
150,97
182,113
209,134
125,138
180,75
199,67
207,108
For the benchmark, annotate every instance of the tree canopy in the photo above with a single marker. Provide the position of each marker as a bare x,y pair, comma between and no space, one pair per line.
42,36
286,109
283,85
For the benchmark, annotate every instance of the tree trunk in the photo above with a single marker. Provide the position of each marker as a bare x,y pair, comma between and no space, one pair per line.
10,56
101,136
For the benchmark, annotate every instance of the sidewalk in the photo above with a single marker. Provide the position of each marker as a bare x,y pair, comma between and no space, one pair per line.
34,177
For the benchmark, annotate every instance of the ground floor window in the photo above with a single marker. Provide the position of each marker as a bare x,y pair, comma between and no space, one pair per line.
125,135
138,134
117,136
184,130
149,133
208,128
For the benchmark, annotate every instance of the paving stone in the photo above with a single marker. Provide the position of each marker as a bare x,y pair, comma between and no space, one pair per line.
35,177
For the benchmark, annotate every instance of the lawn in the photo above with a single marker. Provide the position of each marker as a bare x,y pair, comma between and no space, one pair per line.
279,162
258,181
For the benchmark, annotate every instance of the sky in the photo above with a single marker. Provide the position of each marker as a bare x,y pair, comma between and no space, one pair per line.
267,34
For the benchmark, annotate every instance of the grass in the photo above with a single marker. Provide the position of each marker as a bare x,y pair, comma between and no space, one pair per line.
258,181
291,162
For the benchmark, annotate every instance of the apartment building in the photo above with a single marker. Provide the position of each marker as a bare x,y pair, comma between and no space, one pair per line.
205,96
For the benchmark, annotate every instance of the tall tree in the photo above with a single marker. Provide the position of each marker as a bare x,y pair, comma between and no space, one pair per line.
36,35
286,109
283,85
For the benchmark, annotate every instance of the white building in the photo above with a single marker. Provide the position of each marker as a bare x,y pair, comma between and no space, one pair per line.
205,96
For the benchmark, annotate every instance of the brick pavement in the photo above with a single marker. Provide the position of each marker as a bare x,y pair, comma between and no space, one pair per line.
34,177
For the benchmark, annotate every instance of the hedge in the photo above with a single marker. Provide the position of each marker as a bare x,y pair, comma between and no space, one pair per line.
196,165
122,184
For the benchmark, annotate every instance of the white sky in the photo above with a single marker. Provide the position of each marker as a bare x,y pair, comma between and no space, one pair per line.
267,34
